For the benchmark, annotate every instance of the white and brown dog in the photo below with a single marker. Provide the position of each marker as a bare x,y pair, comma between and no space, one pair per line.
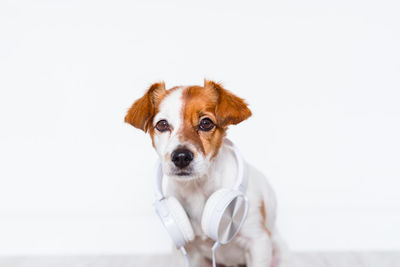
187,125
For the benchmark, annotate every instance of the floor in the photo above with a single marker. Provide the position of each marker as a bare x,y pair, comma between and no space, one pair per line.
300,259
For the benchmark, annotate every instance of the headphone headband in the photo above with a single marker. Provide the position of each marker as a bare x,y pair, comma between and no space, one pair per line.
241,178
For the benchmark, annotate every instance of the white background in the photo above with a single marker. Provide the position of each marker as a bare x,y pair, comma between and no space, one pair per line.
322,79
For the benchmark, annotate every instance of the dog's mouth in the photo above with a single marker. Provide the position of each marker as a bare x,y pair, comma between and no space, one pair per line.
183,173
190,172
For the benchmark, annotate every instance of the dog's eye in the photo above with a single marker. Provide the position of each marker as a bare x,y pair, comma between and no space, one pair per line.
162,126
206,124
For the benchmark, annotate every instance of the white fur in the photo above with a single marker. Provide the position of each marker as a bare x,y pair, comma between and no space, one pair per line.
254,245
169,110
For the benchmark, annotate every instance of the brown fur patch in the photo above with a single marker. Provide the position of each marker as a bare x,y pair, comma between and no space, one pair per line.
264,218
230,109
141,113
214,102
198,104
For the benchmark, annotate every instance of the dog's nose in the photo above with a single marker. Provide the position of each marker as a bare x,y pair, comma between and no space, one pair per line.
181,157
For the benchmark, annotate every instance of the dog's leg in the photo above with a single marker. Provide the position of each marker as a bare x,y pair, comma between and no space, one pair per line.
195,259
281,250
200,261
260,252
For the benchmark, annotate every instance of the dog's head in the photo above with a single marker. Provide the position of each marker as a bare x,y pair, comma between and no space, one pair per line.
187,124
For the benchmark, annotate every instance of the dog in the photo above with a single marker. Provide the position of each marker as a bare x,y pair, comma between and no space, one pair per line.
187,126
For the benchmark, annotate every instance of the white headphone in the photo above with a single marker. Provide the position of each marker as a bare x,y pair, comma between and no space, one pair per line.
223,214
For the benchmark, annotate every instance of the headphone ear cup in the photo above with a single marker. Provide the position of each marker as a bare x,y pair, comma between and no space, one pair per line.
209,208
181,219
224,214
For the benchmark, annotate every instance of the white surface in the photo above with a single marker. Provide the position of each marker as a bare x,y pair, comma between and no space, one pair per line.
319,259
322,79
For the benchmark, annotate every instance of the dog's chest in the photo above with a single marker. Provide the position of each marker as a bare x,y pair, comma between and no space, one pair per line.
231,253
194,205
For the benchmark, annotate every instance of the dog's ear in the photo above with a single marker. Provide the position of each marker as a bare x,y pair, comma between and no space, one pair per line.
141,113
230,109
